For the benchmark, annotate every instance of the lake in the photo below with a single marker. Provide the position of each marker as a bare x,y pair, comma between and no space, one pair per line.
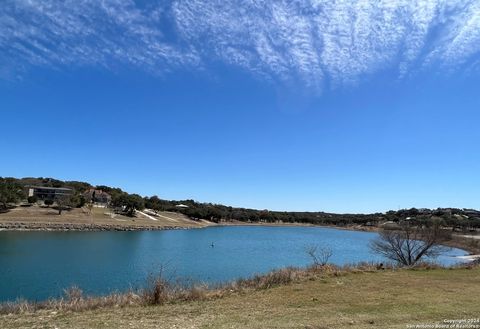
39,265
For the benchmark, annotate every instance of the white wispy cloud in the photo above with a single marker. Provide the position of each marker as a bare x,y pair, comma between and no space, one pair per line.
311,42
463,38
86,32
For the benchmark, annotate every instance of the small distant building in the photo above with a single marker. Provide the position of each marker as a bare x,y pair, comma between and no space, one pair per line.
471,212
181,205
48,193
98,197
389,225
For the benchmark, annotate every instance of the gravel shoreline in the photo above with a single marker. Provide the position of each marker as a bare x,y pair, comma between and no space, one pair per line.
64,227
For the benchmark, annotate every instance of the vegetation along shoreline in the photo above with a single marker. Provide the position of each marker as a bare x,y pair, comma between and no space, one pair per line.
310,287
48,204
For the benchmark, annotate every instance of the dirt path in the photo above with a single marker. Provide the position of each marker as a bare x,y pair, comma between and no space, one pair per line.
146,215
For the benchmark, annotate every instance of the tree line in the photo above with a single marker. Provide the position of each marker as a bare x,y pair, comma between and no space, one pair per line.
12,191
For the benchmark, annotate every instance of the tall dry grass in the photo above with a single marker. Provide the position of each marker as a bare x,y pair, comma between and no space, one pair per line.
159,290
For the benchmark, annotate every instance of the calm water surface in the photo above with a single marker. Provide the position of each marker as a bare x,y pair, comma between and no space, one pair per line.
38,265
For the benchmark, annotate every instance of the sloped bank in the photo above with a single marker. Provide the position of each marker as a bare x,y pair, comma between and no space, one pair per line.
26,226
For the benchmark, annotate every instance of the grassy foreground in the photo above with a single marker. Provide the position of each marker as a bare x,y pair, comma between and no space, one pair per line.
362,299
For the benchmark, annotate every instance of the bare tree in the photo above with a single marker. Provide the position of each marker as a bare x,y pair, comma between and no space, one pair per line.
410,243
89,207
319,255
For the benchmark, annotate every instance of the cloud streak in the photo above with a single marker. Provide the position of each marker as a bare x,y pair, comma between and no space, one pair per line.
314,43
84,32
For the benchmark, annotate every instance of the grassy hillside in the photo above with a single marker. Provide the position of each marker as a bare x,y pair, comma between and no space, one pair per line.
40,216
379,299
464,220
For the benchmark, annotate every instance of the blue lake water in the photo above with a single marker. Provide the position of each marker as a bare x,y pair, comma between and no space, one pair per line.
39,265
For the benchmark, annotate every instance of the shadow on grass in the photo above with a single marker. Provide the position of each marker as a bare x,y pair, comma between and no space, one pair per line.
4,210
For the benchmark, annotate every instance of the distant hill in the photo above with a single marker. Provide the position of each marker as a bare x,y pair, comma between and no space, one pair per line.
461,219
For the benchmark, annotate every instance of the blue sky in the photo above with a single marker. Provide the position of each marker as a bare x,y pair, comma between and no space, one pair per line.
343,106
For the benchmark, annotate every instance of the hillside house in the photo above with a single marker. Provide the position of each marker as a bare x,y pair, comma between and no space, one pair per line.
48,193
98,197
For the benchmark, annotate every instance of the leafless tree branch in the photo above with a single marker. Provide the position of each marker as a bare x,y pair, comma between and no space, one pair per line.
410,243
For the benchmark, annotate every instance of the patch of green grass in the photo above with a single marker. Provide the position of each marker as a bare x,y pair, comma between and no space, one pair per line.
382,299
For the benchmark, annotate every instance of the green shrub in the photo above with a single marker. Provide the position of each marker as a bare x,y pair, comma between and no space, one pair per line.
48,202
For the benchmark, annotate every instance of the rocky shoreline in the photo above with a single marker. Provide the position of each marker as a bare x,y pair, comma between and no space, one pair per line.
63,227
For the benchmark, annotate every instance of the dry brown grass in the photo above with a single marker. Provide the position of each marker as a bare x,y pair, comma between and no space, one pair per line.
38,217
330,297
73,301
470,244
160,291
